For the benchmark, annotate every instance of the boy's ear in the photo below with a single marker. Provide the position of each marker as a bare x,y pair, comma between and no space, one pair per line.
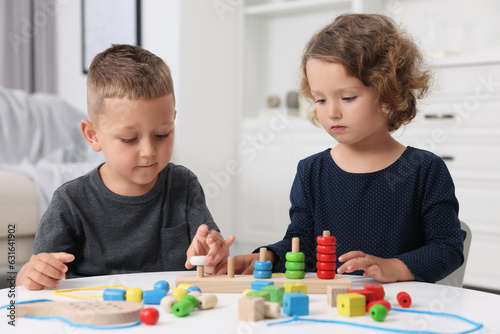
90,134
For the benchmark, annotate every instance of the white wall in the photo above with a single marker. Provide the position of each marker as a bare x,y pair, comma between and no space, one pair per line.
199,45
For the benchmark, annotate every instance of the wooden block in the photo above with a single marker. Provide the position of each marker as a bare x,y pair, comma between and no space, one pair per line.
207,301
370,295
351,304
95,313
332,292
295,287
275,293
378,289
272,310
263,294
258,285
221,283
296,303
251,309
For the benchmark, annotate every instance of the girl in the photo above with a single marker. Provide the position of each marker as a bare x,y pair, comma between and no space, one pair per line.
392,208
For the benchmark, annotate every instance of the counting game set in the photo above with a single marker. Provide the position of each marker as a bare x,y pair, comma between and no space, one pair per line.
263,296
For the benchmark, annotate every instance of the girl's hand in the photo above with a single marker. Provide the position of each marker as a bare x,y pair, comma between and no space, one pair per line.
382,270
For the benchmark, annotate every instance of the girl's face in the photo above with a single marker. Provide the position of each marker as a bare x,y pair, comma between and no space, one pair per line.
348,110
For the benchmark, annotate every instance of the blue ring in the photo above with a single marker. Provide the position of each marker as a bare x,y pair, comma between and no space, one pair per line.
262,273
267,265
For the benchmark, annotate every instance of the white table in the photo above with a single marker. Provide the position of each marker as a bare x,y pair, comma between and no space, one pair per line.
474,305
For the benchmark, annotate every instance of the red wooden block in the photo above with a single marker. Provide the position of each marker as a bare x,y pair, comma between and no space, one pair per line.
326,265
378,289
380,301
326,241
326,257
404,299
326,249
370,295
326,274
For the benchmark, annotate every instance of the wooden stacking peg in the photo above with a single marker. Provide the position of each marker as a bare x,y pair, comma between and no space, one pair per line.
199,262
230,267
295,245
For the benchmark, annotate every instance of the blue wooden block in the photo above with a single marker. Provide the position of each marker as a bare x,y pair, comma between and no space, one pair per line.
153,297
296,303
113,294
257,285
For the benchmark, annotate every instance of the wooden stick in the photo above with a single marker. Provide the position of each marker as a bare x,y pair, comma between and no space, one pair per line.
200,271
263,254
295,245
230,266
326,234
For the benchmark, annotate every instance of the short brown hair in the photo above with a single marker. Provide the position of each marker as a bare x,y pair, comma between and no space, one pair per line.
126,71
373,49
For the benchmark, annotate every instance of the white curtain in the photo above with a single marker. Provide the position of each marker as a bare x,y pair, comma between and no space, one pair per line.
27,45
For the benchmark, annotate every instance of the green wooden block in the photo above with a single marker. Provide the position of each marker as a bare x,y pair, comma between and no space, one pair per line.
263,294
276,293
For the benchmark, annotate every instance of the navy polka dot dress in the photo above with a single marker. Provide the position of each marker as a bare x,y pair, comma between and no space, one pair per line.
407,210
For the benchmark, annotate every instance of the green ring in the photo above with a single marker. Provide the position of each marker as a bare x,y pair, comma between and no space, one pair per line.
295,274
295,257
289,265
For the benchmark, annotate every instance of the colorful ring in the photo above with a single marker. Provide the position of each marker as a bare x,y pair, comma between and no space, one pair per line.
295,257
326,265
326,241
262,273
326,249
259,265
325,274
295,274
289,265
326,257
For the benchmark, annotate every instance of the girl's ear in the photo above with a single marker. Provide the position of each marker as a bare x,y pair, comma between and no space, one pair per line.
90,134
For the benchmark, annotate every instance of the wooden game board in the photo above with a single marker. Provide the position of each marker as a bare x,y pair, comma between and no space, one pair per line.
223,283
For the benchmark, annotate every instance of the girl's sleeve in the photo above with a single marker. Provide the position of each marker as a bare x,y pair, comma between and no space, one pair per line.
443,250
301,224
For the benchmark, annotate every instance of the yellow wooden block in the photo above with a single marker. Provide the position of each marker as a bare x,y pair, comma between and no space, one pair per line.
351,304
295,287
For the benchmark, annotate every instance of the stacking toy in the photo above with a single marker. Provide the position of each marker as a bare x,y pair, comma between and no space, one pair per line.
295,259
263,268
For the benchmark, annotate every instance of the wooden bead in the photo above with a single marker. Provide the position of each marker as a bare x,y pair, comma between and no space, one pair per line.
378,312
149,316
167,302
194,293
295,257
266,266
207,301
161,285
326,241
295,274
326,265
182,307
113,294
251,309
326,274
326,257
134,295
289,265
404,299
198,260
381,302
193,288
184,286
191,299
153,297
326,249
272,310
262,273
179,293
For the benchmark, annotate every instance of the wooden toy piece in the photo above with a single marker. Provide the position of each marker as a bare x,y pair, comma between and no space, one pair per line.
378,312
179,293
251,309
263,268
326,239
326,249
296,303
95,313
272,310
326,257
289,265
295,287
184,286
378,289
295,245
184,306
263,294
113,294
370,295
351,304
199,262
230,266
326,274
193,288
222,284
207,301
404,299
245,292
134,295
258,285
167,302
275,293
149,316
195,293
379,301
295,260
161,285
153,297
331,266
332,292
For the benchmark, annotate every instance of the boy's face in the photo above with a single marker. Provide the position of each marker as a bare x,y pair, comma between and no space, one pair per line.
137,139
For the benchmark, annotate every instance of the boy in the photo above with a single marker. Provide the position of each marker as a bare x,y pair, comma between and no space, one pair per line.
136,212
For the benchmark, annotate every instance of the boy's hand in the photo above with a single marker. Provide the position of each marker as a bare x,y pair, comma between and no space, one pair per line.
209,243
44,270
382,270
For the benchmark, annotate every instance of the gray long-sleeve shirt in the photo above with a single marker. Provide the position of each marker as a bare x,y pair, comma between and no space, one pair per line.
111,234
